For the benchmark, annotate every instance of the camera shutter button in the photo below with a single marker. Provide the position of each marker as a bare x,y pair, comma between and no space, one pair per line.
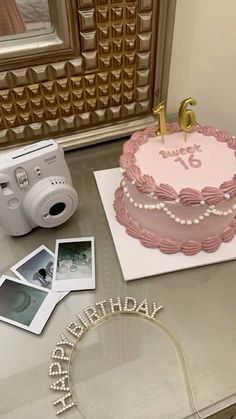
13,203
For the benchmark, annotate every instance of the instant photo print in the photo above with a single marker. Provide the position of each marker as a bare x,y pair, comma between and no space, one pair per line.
74,266
24,305
36,268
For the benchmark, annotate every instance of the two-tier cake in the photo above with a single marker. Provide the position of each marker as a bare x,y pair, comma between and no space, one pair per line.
178,195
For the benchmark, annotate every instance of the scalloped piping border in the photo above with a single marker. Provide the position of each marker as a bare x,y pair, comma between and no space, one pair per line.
168,246
187,196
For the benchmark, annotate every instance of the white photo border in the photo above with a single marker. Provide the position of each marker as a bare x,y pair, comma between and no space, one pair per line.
29,256
41,317
74,284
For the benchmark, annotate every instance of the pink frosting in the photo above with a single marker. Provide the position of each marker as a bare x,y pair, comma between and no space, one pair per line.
191,247
222,135
130,146
150,131
149,239
232,143
211,244
233,225
133,172
212,195
173,127
134,229
165,192
146,184
170,246
229,187
121,214
127,160
188,196
167,245
228,234
208,131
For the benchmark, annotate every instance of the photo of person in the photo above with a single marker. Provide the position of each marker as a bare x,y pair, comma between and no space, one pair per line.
74,264
20,302
36,268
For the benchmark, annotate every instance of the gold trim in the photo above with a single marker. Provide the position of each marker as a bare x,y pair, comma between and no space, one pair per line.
111,78
60,43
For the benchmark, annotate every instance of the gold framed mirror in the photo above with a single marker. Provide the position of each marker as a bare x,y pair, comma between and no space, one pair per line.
94,76
42,38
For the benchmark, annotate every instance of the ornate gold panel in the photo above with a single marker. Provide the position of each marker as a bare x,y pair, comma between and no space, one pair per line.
110,79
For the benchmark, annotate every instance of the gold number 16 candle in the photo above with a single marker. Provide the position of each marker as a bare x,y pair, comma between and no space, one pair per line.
159,110
187,118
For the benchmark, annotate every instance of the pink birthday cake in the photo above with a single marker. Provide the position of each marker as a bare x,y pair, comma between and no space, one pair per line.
176,195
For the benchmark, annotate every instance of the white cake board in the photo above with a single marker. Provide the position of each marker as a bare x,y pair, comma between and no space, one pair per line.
137,261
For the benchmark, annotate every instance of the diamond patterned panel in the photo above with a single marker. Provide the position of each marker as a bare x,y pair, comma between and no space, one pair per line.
87,19
86,3
112,80
145,22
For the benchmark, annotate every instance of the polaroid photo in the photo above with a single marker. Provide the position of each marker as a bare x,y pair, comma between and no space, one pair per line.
25,305
74,265
37,269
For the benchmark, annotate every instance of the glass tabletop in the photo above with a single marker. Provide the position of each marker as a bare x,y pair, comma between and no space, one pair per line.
124,368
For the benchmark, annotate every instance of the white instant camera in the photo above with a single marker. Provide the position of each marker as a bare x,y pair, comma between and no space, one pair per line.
35,188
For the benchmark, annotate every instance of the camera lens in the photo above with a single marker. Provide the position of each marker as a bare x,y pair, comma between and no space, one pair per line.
57,208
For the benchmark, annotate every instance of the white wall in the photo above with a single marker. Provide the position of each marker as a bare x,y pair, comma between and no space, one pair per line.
203,63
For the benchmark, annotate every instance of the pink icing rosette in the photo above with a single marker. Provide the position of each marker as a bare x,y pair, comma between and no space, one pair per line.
227,234
130,146
173,127
232,143
212,195
119,196
190,196
166,192
132,173
150,131
149,239
121,214
233,225
211,244
134,229
146,184
126,160
222,136
207,131
169,246
138,138
191,247
229,187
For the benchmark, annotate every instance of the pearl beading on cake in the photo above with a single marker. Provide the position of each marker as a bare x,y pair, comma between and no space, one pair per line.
162,207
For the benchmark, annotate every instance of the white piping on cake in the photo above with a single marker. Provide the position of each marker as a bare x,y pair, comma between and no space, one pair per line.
162,207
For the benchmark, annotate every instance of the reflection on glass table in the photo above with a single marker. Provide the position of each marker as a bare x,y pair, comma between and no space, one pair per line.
126,367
